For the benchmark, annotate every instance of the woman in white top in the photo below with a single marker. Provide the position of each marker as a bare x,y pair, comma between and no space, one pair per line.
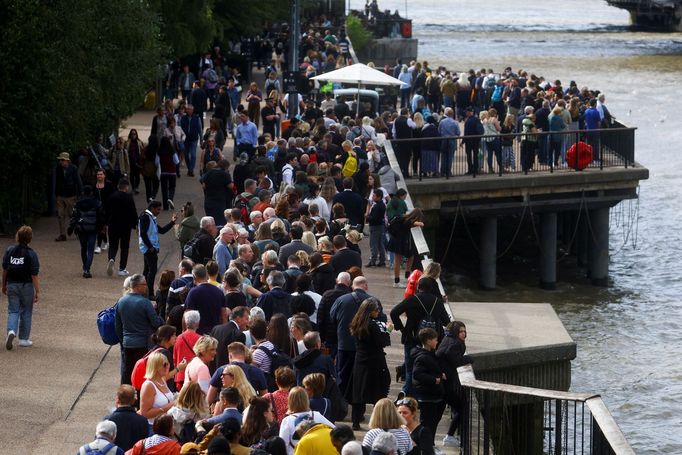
197,370
155,396
368,131
385,417
299,406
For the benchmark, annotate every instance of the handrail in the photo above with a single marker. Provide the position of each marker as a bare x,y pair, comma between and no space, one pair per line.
595,404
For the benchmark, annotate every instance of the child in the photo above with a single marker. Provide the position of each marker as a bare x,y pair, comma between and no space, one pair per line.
428,380
161,296
376,221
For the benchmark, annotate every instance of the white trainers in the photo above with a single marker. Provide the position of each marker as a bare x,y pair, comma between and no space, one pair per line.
451,441
25,343
98,250
10,339
399,285
170,204
105,246
110,267
123,273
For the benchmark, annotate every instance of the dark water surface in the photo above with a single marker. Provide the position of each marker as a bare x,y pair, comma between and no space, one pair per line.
629,335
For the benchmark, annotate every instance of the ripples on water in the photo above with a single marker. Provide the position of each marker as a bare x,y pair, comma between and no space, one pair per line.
628,335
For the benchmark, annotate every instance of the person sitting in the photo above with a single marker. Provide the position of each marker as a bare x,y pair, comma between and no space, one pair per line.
161,442
105,435
131,426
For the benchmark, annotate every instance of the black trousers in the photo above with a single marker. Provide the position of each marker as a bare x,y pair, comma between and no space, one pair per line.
151,187
403,153
130,356
151,261
471,149
167,188
430,414
119,239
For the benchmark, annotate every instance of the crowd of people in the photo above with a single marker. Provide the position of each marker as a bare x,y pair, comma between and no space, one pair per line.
267,332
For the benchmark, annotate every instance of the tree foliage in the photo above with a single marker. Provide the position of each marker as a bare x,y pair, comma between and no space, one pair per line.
71,69
357,33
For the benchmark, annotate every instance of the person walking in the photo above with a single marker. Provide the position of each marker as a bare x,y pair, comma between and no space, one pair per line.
136,320
20,283
148,233
67,187
121,219
87,220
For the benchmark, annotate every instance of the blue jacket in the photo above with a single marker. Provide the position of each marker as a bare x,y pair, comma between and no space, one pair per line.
191,127
342,314
151,230
136,320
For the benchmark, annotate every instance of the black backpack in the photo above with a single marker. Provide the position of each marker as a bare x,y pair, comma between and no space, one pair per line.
428,321
277,359
191,250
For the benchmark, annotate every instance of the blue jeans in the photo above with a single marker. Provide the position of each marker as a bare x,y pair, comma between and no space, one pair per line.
191,155
448,101
409,364
20,308
376,244
87,248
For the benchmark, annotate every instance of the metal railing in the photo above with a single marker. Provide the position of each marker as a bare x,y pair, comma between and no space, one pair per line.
508,419
514,153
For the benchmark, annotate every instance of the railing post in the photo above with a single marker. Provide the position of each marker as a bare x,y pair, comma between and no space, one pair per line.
558,424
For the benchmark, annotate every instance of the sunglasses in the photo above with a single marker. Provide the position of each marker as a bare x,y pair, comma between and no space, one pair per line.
227,374
405,402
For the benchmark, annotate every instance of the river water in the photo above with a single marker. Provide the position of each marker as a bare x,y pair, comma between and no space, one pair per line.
628,335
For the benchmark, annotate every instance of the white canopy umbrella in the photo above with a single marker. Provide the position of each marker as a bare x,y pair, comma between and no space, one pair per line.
359,74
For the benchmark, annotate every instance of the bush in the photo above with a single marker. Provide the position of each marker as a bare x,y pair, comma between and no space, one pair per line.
357,33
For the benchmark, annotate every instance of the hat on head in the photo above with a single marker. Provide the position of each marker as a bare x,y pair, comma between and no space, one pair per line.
64,156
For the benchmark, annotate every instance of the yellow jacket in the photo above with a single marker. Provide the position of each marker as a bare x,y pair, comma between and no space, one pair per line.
316,441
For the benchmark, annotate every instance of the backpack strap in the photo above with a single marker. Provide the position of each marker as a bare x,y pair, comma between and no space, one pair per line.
274,408
269,352
423,307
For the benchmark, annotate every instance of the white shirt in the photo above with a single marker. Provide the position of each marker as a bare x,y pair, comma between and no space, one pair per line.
321,204
286,428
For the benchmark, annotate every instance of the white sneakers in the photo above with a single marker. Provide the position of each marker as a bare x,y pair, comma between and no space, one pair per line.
400,284
10,339
110,267
98,250
123,273
451,441
105,246
11,335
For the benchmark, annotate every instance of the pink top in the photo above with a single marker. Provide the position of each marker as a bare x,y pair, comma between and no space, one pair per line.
197,371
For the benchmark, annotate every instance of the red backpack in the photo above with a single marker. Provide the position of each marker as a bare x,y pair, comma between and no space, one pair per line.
137,377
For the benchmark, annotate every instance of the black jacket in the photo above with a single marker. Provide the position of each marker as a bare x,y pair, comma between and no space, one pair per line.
344,259
130,426
424,373
206,244
415,314
323,278
275,301
67,182
87,216
352,203
313,361
324,323
122,214
450,355
225,334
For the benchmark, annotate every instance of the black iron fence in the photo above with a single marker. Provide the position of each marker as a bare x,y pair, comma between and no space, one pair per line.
455,156
507,419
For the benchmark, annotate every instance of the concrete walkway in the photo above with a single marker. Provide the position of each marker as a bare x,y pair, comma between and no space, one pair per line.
54,393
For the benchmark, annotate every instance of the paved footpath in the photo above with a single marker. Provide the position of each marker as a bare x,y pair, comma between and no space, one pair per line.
54,393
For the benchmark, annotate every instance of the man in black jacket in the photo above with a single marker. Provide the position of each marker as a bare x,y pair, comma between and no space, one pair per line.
67,187
312,360
130,426
205,238
121,219
352,203
87,220
229,332
324,322
344,258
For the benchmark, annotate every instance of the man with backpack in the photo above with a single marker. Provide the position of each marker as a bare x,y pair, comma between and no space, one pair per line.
200,247
136,320
423,310
21,285
105,434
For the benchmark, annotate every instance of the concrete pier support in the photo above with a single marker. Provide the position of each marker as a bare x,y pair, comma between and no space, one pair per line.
581,240
598,253
488,252
548,233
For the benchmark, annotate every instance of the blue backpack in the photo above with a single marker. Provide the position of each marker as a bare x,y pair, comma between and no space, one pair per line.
106,324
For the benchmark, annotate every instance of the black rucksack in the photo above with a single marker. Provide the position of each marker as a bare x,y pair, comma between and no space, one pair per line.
428,321
277,359
191,250
19,268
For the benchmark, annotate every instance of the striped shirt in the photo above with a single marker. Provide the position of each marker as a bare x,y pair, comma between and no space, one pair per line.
402,437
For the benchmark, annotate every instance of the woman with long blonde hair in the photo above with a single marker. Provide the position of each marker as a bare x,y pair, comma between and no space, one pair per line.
385,417
190,405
